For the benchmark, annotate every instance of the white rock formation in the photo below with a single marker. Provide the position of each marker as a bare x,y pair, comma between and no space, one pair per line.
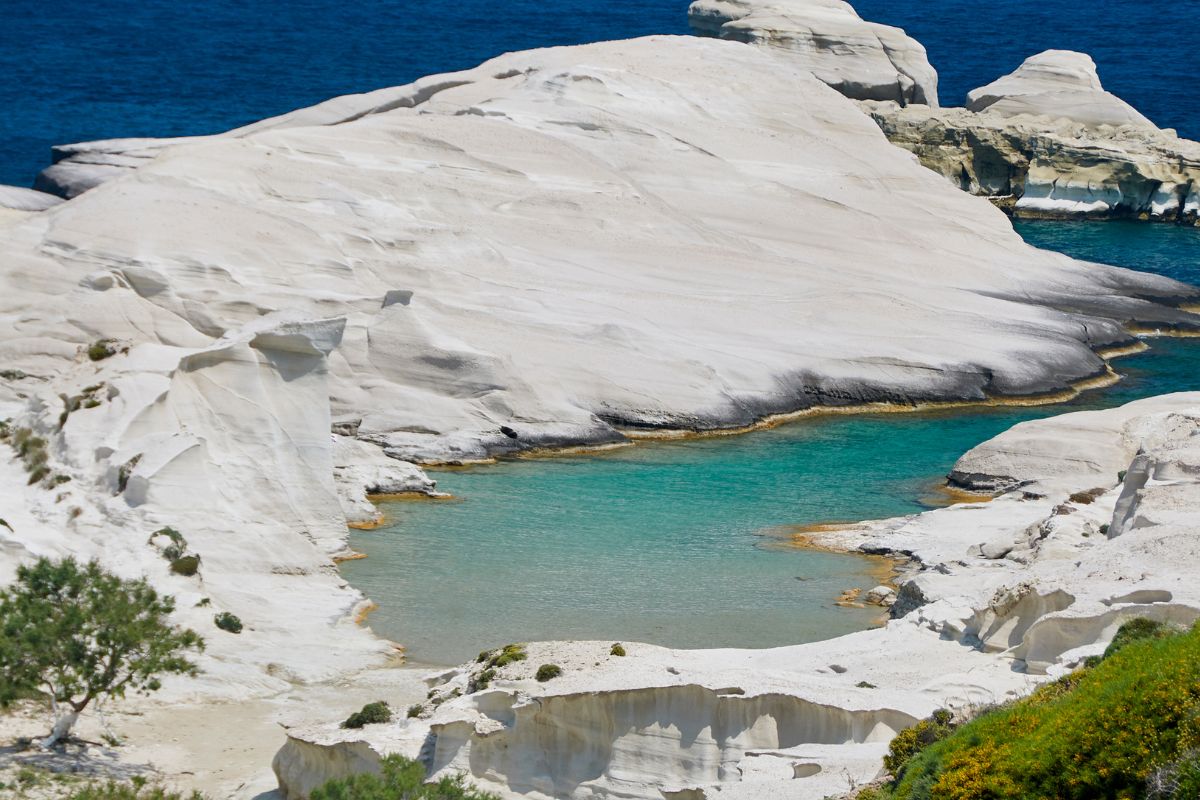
1060,84
1048,141
361,469
796,722
862,60
527,254
523,254
18,199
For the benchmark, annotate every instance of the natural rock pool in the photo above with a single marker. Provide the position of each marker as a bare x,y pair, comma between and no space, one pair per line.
663,542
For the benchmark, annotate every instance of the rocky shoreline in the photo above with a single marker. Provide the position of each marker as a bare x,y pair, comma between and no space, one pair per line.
242,337
994,603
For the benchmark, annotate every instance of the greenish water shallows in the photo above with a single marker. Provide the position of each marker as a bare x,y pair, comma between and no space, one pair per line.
662,542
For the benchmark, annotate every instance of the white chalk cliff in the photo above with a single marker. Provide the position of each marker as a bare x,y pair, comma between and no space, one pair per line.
1049,141
862,60
1008,593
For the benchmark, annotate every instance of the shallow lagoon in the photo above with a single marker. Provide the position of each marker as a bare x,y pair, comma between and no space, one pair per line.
663,542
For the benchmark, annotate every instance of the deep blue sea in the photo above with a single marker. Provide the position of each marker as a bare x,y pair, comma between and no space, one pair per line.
72,70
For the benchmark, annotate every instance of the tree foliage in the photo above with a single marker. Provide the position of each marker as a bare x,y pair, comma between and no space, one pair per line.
75,633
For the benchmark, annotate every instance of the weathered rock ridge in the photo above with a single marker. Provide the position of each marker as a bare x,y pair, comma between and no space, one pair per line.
1048,141
1060,84
862,60
532,246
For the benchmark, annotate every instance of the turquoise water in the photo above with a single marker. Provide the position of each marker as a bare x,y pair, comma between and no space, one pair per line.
662,542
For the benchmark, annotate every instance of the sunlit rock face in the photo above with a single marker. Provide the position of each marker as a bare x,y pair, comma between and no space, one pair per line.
1060,84
862,60
1048,141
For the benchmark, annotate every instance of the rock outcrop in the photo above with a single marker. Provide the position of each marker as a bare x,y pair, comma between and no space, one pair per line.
1048,141
1060,84
17,199
862,60
1008,594
527,254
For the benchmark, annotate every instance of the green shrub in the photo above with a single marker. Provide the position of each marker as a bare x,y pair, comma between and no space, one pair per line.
509,654
1179,780
102,349
548,672
482,680
400,779
866,685
126,472
370,714
616,650
228,622
911,741
1135,630
415,710
136,790
187,566
1101,732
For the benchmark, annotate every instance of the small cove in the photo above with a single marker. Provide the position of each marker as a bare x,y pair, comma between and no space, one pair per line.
662,542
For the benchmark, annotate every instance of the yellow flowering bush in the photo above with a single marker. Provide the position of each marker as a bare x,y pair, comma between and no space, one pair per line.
1108,731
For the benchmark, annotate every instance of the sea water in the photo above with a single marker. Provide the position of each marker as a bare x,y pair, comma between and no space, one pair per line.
673,542
73,70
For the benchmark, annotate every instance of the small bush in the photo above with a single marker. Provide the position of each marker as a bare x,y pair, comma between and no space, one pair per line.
1102,732
482,680
187,566
1179,780
371,714
102,349
414,710
228,622
400,779
126,471
616,650
1135,630
509,654
1121,476
548,672
137,790
911,741
866,685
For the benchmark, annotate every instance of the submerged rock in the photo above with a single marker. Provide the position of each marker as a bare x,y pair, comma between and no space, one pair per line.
862,60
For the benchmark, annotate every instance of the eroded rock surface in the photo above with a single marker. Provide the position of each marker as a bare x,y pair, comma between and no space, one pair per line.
862,60
1048,141
1060,84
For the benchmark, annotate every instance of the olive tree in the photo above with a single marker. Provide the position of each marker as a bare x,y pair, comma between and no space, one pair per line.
76,633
